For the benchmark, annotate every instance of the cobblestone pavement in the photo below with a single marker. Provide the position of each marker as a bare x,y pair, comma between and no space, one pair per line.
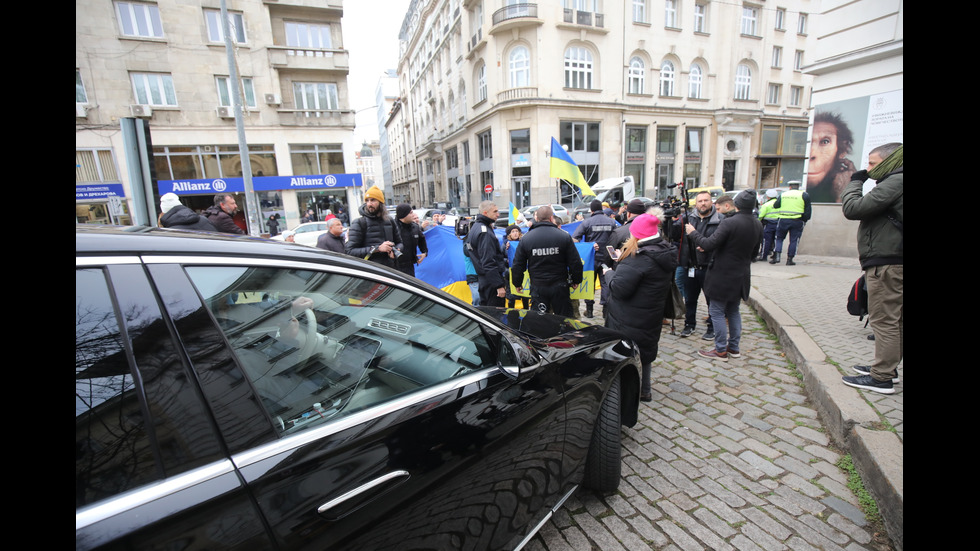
731,455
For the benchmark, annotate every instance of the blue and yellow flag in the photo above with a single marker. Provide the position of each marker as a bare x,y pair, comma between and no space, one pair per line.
562,166
513,215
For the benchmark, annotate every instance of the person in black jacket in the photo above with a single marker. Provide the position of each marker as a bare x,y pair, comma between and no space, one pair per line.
621,234
374,236
179,217
333,239
273,225
412,239
552,262
221,212
597,229
638,291
487,256
729,278
705,219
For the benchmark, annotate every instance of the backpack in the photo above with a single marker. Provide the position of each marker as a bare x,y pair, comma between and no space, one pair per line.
857,299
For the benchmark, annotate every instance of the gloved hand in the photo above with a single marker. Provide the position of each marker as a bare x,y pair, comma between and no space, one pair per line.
861,175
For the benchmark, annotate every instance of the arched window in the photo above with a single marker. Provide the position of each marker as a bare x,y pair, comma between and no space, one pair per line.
695,80
462,99
743,82
481,83
578,68
636,76
520,67
667,78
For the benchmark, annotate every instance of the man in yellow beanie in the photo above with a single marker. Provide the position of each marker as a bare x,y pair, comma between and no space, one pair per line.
374,236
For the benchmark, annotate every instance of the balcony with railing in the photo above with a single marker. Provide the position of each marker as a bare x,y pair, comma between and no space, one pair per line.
514,94
291,57
330,118
514,15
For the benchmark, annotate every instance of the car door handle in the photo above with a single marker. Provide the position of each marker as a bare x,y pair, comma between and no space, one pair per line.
394,475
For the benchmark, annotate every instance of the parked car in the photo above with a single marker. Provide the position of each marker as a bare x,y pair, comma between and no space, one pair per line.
560,212
306,234
463,212
235,392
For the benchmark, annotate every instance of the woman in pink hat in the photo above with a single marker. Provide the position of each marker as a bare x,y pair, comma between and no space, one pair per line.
638,290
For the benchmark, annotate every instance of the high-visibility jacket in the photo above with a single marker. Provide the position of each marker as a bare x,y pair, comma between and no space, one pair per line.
767,211
792,204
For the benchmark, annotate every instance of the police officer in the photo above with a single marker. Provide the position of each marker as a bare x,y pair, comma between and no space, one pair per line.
791,211
487,256
552,263
768,219
597,229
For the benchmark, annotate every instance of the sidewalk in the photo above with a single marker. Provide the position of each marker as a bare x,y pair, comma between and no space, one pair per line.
805,306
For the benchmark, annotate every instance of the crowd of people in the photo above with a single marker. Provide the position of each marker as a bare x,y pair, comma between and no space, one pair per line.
640,251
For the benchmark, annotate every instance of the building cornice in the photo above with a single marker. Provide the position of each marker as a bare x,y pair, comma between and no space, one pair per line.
871,54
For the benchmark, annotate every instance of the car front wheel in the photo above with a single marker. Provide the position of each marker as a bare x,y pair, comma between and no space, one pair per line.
603,466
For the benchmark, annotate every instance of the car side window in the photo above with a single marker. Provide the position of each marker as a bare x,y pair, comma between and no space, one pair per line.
318,346
113,451
130,430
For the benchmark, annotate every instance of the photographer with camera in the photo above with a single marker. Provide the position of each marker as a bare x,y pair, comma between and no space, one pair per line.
374,236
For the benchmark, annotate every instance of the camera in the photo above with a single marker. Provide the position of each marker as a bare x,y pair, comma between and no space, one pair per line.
463,225
672,207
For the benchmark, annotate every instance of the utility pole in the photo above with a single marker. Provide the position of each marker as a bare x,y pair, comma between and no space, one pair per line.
252,207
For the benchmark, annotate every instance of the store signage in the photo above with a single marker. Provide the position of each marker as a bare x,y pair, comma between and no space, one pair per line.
98,191
259,183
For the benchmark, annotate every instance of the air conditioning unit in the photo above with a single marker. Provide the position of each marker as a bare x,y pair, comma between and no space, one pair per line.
81,111
141,110
226,112
272,99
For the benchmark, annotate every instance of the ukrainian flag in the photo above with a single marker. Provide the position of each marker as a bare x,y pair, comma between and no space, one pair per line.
562,166
513,215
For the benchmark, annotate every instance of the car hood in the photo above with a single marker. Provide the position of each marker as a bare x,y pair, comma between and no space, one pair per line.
549,330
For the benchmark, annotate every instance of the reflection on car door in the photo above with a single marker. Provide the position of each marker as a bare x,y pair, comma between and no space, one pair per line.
150,470
397,429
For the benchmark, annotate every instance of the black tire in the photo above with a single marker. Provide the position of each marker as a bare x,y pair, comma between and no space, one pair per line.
604,464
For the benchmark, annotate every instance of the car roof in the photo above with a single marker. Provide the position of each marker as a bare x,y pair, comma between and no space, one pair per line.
92,240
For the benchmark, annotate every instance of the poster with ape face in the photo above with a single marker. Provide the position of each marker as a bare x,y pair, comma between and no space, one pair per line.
841,136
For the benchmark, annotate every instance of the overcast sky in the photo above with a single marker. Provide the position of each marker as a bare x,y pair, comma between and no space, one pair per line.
371,37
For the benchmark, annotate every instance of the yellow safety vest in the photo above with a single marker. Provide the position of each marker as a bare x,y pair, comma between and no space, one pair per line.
791,205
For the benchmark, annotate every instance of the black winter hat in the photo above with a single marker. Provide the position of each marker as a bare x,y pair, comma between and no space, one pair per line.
595,205
636,206
402,210
745,200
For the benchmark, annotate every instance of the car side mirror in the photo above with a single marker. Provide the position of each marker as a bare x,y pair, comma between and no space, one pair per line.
515,357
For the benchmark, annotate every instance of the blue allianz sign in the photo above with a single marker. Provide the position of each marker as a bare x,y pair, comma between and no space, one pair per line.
259,183
98,191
